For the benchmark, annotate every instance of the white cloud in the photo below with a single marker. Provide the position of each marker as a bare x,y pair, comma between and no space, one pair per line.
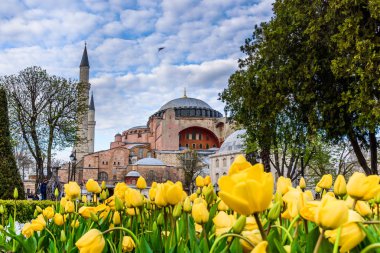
130,78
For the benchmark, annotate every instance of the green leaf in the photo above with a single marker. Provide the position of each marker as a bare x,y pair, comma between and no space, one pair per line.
144,246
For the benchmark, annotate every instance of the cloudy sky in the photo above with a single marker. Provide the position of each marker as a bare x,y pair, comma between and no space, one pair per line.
130,79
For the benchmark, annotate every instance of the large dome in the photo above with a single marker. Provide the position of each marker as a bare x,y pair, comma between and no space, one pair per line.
233,143
185,102
188,107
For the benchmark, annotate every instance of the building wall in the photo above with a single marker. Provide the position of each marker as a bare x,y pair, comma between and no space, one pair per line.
220,164
159,174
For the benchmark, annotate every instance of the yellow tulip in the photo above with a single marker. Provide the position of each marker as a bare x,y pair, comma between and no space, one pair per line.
222,206
141,183
84,199
318,189
85,211
152,193
261,247
93,186
48,212
63,202
160,196
302,183
74,223
132,211
200,213
69,207
120,190
193,196
92,241
331,213
199,181
116,218
39,223
362,187
27,230
133,198
325,182
362,207
254,236
248,191
72,190
283,185
340,186
187,205
239,164
128,244
376,197
207,180
250,224
223,223
58,219
309,209
350,235
173,194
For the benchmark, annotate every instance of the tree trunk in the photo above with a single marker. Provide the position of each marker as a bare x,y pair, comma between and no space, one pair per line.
265,157
359,153
373,149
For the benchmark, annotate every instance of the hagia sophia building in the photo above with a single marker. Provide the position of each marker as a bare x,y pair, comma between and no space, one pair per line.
150,150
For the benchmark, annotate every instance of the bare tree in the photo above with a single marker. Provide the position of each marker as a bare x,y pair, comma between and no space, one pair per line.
43,110
192,165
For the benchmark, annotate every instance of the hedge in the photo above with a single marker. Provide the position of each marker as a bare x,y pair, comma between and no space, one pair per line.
24,208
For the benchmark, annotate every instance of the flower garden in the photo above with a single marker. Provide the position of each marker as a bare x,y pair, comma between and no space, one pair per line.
244,216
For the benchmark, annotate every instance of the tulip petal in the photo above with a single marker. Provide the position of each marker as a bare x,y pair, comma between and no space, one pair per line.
236,203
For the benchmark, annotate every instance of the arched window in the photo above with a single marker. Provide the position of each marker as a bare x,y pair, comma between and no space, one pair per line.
217,163
224,162
232,159
103,176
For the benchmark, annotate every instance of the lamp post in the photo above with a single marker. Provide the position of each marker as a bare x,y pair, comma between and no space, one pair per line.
73,159
216,188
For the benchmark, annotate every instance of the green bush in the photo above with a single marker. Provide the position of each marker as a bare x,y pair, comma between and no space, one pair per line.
24,208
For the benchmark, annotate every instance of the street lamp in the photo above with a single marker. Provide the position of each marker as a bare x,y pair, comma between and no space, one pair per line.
216,187
73,159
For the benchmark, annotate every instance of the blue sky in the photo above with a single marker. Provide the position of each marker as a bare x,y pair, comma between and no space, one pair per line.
130,79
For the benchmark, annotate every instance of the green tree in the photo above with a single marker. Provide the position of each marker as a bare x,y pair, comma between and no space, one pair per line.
9,174
318,63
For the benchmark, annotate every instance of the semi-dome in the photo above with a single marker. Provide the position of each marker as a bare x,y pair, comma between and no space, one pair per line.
133,173
233,143
185,102
149,162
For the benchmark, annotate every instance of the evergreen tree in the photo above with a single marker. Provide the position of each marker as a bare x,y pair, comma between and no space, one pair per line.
9,174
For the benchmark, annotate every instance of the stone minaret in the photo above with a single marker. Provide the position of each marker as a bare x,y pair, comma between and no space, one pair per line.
91,125
81,146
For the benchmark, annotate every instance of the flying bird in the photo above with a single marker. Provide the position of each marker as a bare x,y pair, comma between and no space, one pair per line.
160,48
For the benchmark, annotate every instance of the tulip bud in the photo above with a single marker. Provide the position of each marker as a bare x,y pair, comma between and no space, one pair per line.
39,209
141,183
187,205
56,193
104,186
118,204
340,188
377,197
199,181
84,198
160,220
1,228
35,214
15,193
318,189
116,218
198,191
63,236
177,210
239,224
107,193
103,195
1,209
302,183
274,211
94,217
278,198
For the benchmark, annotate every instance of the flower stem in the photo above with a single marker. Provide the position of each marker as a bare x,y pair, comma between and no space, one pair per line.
260,226
336,244
354,204
370,247
319,241
126,230
228,235
55,242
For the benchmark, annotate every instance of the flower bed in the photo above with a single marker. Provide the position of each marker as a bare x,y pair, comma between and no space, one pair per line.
245,216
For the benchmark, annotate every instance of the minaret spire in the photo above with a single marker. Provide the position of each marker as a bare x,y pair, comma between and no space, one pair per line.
84,62
184,92
92,104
